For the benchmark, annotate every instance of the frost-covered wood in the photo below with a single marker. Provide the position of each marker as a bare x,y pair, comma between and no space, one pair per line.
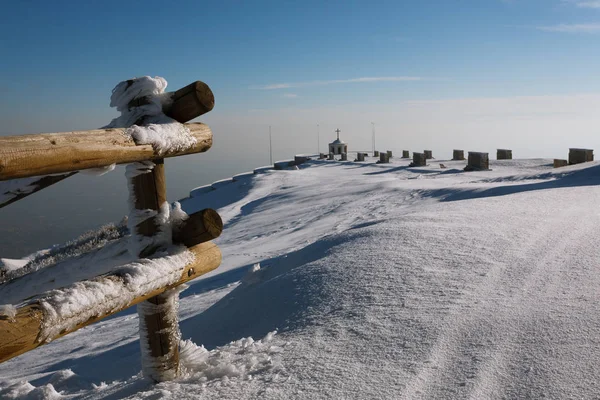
159,326
9,195
200,227
51,153
22,333
189,102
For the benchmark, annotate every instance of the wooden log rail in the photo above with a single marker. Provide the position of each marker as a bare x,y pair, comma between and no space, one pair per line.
63,153
182,105
51,153
21,335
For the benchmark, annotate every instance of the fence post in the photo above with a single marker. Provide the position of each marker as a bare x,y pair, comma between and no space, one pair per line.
159,326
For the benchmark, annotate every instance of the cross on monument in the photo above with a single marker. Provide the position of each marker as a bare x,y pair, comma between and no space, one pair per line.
338,133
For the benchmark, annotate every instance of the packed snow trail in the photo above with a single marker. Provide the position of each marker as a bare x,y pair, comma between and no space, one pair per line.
382,282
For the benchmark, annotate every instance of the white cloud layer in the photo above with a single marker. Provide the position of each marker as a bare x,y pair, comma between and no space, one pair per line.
588,4
572,28
276,86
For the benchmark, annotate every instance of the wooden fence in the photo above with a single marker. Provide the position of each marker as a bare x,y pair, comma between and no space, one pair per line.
64,154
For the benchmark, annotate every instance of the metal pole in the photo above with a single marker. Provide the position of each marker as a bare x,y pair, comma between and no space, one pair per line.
270,147
373,136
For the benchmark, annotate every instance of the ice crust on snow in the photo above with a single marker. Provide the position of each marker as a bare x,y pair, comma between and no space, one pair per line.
239,359
26,391
14,187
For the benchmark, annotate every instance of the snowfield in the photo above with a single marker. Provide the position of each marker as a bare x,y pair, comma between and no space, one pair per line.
375,281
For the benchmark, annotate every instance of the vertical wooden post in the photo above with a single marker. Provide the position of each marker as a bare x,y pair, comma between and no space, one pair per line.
159,327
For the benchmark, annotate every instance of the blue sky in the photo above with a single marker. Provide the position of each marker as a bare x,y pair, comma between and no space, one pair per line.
61,59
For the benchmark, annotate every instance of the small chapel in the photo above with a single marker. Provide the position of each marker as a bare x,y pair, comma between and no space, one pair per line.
337,146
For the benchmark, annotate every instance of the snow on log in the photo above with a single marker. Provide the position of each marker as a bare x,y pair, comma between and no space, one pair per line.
25,331
53,153
14,190
184,104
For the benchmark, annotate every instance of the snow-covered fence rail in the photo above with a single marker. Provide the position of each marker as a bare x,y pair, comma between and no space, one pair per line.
51,153
155,227
26,331
182,106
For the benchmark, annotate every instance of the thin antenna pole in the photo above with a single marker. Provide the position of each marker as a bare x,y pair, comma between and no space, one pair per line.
318,139
270,147
373,136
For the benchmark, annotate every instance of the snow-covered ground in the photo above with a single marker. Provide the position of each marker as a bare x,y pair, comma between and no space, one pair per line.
381,281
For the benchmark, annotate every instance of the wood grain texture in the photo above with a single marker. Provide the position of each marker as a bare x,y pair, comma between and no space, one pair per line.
185,104
161,331
20,335
52,153
200,227
190,102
